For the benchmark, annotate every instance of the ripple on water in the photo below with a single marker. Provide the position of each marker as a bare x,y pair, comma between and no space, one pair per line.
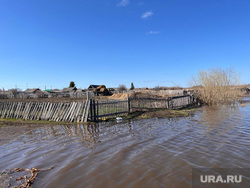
154,152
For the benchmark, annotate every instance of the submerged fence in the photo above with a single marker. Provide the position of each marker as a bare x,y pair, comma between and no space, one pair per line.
92,110
71,112
164,103
43,111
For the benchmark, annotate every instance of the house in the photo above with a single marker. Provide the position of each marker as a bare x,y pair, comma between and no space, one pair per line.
68,92
69,89
52,93
99,90
111,91
33,93
92,87
7,95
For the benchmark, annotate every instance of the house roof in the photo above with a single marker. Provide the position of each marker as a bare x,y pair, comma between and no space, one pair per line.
94,86
32,90
69,89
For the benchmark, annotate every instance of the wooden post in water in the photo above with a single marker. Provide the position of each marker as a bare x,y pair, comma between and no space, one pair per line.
97,110
91,109
128,103
94,110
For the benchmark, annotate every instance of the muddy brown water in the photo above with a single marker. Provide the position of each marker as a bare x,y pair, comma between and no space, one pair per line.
141,153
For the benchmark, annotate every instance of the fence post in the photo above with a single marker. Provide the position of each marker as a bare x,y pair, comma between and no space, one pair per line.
91,110
97,110
87,95
128,103
94,111
172,104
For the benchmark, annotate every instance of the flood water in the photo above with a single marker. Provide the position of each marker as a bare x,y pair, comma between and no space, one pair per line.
139,153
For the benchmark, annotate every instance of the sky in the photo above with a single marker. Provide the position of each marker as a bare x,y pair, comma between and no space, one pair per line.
48,43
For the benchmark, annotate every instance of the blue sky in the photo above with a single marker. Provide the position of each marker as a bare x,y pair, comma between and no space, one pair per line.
147,42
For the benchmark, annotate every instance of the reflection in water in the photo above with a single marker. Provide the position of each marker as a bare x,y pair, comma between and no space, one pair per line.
143,153
86,134
215,115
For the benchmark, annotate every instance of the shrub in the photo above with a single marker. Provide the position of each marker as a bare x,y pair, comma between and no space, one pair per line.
216,86
122,87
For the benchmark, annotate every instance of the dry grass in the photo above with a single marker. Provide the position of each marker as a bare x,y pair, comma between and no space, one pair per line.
217,86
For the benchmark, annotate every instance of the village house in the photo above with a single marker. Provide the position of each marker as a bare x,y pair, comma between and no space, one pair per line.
33,93
99,90
68,91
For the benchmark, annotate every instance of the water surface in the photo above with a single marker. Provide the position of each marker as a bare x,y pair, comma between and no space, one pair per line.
142,153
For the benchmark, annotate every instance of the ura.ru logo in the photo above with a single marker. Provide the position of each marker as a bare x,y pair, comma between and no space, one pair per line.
219,179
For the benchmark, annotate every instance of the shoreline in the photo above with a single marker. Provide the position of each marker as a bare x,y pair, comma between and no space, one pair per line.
12,128
160,113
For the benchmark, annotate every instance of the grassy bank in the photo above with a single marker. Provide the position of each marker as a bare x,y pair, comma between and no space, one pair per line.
160,113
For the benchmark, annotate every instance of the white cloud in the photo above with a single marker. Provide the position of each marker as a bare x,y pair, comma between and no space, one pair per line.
147,14
153,32
123,3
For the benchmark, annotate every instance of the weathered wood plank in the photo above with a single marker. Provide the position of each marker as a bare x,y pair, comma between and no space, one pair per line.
83,114
87,111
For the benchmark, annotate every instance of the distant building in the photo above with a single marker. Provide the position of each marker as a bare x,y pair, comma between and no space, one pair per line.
7,95
92,87
69,89
111,89
33,93
99,90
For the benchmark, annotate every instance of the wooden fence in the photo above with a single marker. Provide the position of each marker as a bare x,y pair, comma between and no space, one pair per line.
102,109
71,112
162,103
90,109
47,111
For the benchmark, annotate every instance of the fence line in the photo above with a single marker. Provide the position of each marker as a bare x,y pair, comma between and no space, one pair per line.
71,112
109,108
162,103
92,110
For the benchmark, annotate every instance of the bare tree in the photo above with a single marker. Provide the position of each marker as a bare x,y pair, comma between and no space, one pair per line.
157,88
217,86
122,87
